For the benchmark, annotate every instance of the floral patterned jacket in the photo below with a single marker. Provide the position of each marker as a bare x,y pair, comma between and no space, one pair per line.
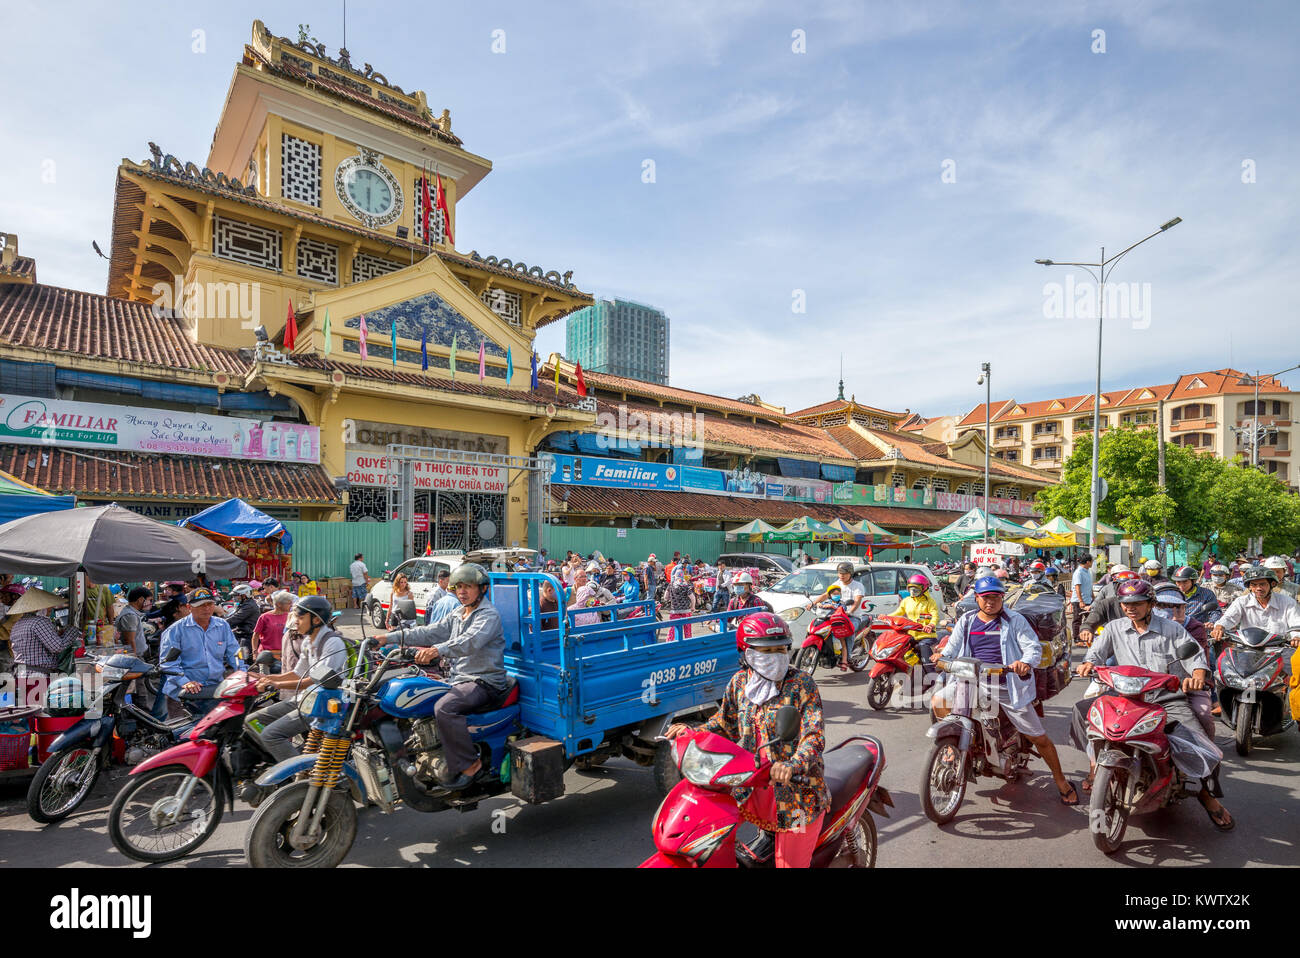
750,726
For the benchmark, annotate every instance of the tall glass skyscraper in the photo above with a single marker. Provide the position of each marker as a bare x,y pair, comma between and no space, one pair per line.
620,338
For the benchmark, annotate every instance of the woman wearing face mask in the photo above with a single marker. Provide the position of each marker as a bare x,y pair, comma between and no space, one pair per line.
920,607
680,600
748,718
743,595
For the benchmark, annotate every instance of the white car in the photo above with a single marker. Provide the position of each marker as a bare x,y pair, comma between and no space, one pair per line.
885,584
422,573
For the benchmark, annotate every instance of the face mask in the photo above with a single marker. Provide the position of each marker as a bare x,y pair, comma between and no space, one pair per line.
771,665
1219,579
742,590
914,591
1164,613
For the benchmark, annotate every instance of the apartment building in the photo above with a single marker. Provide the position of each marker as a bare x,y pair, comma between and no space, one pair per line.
1209,411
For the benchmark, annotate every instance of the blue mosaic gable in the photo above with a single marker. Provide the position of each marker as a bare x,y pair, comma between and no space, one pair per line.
426,312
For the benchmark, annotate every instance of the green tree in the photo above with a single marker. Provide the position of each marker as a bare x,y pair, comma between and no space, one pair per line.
1205,499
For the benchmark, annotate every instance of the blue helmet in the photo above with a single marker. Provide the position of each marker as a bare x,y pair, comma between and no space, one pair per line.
1052,570
989,583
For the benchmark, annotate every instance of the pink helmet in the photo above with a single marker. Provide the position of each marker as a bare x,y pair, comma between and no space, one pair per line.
920,580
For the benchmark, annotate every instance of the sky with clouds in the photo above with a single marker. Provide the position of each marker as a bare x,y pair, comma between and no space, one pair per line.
775,171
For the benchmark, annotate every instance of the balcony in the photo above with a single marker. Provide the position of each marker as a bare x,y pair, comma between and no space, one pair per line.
1271,452
1047,438
1181,425
1006,442
1248,421
1140,423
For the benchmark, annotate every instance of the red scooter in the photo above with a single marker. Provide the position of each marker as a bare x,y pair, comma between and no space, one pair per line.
1135,770
695,826
830,628
894,651
172,803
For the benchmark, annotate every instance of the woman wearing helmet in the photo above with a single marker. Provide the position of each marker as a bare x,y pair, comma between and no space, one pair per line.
474,642
743,595
920,607
1224,591
320,643
747,717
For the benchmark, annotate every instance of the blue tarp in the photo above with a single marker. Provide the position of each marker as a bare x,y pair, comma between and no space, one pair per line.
797,468
838,473
238,520
16,506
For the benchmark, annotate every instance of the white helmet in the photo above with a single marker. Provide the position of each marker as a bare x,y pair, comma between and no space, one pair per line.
1274,562
1219,569
1119,567
242,589
743,579
1152,565
593,567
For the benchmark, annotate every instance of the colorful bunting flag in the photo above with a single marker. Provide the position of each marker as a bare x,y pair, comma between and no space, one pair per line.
424,349
510,366
364,333
446,213
453,356
290,330
327,331
534,380
393,329
482,362
582,383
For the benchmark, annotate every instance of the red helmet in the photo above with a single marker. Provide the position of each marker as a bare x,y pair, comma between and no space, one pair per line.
1139,591
1037,566
1122,575
762,630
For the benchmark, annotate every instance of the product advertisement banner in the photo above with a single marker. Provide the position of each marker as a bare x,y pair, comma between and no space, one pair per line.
371,469
27,420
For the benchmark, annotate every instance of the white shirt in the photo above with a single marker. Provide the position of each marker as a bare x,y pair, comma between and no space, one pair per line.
358,570
851,593
1281,615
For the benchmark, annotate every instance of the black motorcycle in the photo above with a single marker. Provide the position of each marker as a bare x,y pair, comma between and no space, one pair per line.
77,756
1251,679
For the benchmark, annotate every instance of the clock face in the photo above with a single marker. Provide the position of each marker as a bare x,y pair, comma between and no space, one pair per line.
369,191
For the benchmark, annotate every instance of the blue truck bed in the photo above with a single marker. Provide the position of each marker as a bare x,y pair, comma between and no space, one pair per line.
597,683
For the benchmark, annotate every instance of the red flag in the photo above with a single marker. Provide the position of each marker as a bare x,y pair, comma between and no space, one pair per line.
871,555
424,208
290,330
446,213
582,383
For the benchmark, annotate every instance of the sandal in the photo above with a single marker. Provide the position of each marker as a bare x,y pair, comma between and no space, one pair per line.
1073,791
1219,823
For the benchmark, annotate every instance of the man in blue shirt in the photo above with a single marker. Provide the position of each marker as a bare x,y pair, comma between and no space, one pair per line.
1080,595
208,649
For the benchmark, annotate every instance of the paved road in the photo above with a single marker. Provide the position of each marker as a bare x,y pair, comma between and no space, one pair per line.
604,819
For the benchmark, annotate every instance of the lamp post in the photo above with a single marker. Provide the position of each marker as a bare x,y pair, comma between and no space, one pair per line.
986,379
1103,270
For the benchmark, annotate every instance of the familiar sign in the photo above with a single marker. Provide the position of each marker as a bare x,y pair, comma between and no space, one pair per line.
27,420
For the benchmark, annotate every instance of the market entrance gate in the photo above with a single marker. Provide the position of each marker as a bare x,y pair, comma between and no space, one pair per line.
455,499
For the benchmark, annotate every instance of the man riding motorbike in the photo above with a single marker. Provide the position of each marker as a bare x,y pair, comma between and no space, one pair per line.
1106,607
321,643
474,642
748,717
850,594
1262,607
1283,584
1000,636
1149,641
920,607
1201,604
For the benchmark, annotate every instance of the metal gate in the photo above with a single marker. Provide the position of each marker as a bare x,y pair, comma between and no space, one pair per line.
463,520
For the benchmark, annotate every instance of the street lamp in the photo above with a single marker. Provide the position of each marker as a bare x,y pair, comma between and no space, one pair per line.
986,380
1103,270
1254,425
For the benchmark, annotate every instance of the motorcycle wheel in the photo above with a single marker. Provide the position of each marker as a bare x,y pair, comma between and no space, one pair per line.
267,843
881,689
943,778
860,654
61,784
377,617
133,831
858,846
1107,817
1243,732
806,660
667,773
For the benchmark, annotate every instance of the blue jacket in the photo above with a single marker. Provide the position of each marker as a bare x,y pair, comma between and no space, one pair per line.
1019,644
206,655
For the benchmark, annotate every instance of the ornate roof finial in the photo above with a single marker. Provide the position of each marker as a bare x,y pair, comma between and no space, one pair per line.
840,397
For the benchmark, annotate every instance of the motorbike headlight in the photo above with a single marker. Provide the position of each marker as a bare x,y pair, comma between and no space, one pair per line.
1127,684
699,766
1094,716
792,613
232,684
1147,725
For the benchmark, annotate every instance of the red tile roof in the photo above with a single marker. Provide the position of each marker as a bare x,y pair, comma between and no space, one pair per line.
855,442
584,500
69,321
838,404
127,475
24,267
687,397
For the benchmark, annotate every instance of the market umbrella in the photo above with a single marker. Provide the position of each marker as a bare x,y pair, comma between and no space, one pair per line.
804,529
848,532
1107,535
110,544
1061,526
753,530
970,528
878,535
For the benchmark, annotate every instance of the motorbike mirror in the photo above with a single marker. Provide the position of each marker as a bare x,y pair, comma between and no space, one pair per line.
787,723
172,655
1187,649
405,609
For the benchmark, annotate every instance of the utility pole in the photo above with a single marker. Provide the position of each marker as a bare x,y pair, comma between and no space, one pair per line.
1160,458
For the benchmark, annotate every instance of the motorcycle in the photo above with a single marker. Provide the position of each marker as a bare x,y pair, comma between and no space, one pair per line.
77,756
1251,679
696,825
894,651
976,738
830,628
313,823
1135,770
176,798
